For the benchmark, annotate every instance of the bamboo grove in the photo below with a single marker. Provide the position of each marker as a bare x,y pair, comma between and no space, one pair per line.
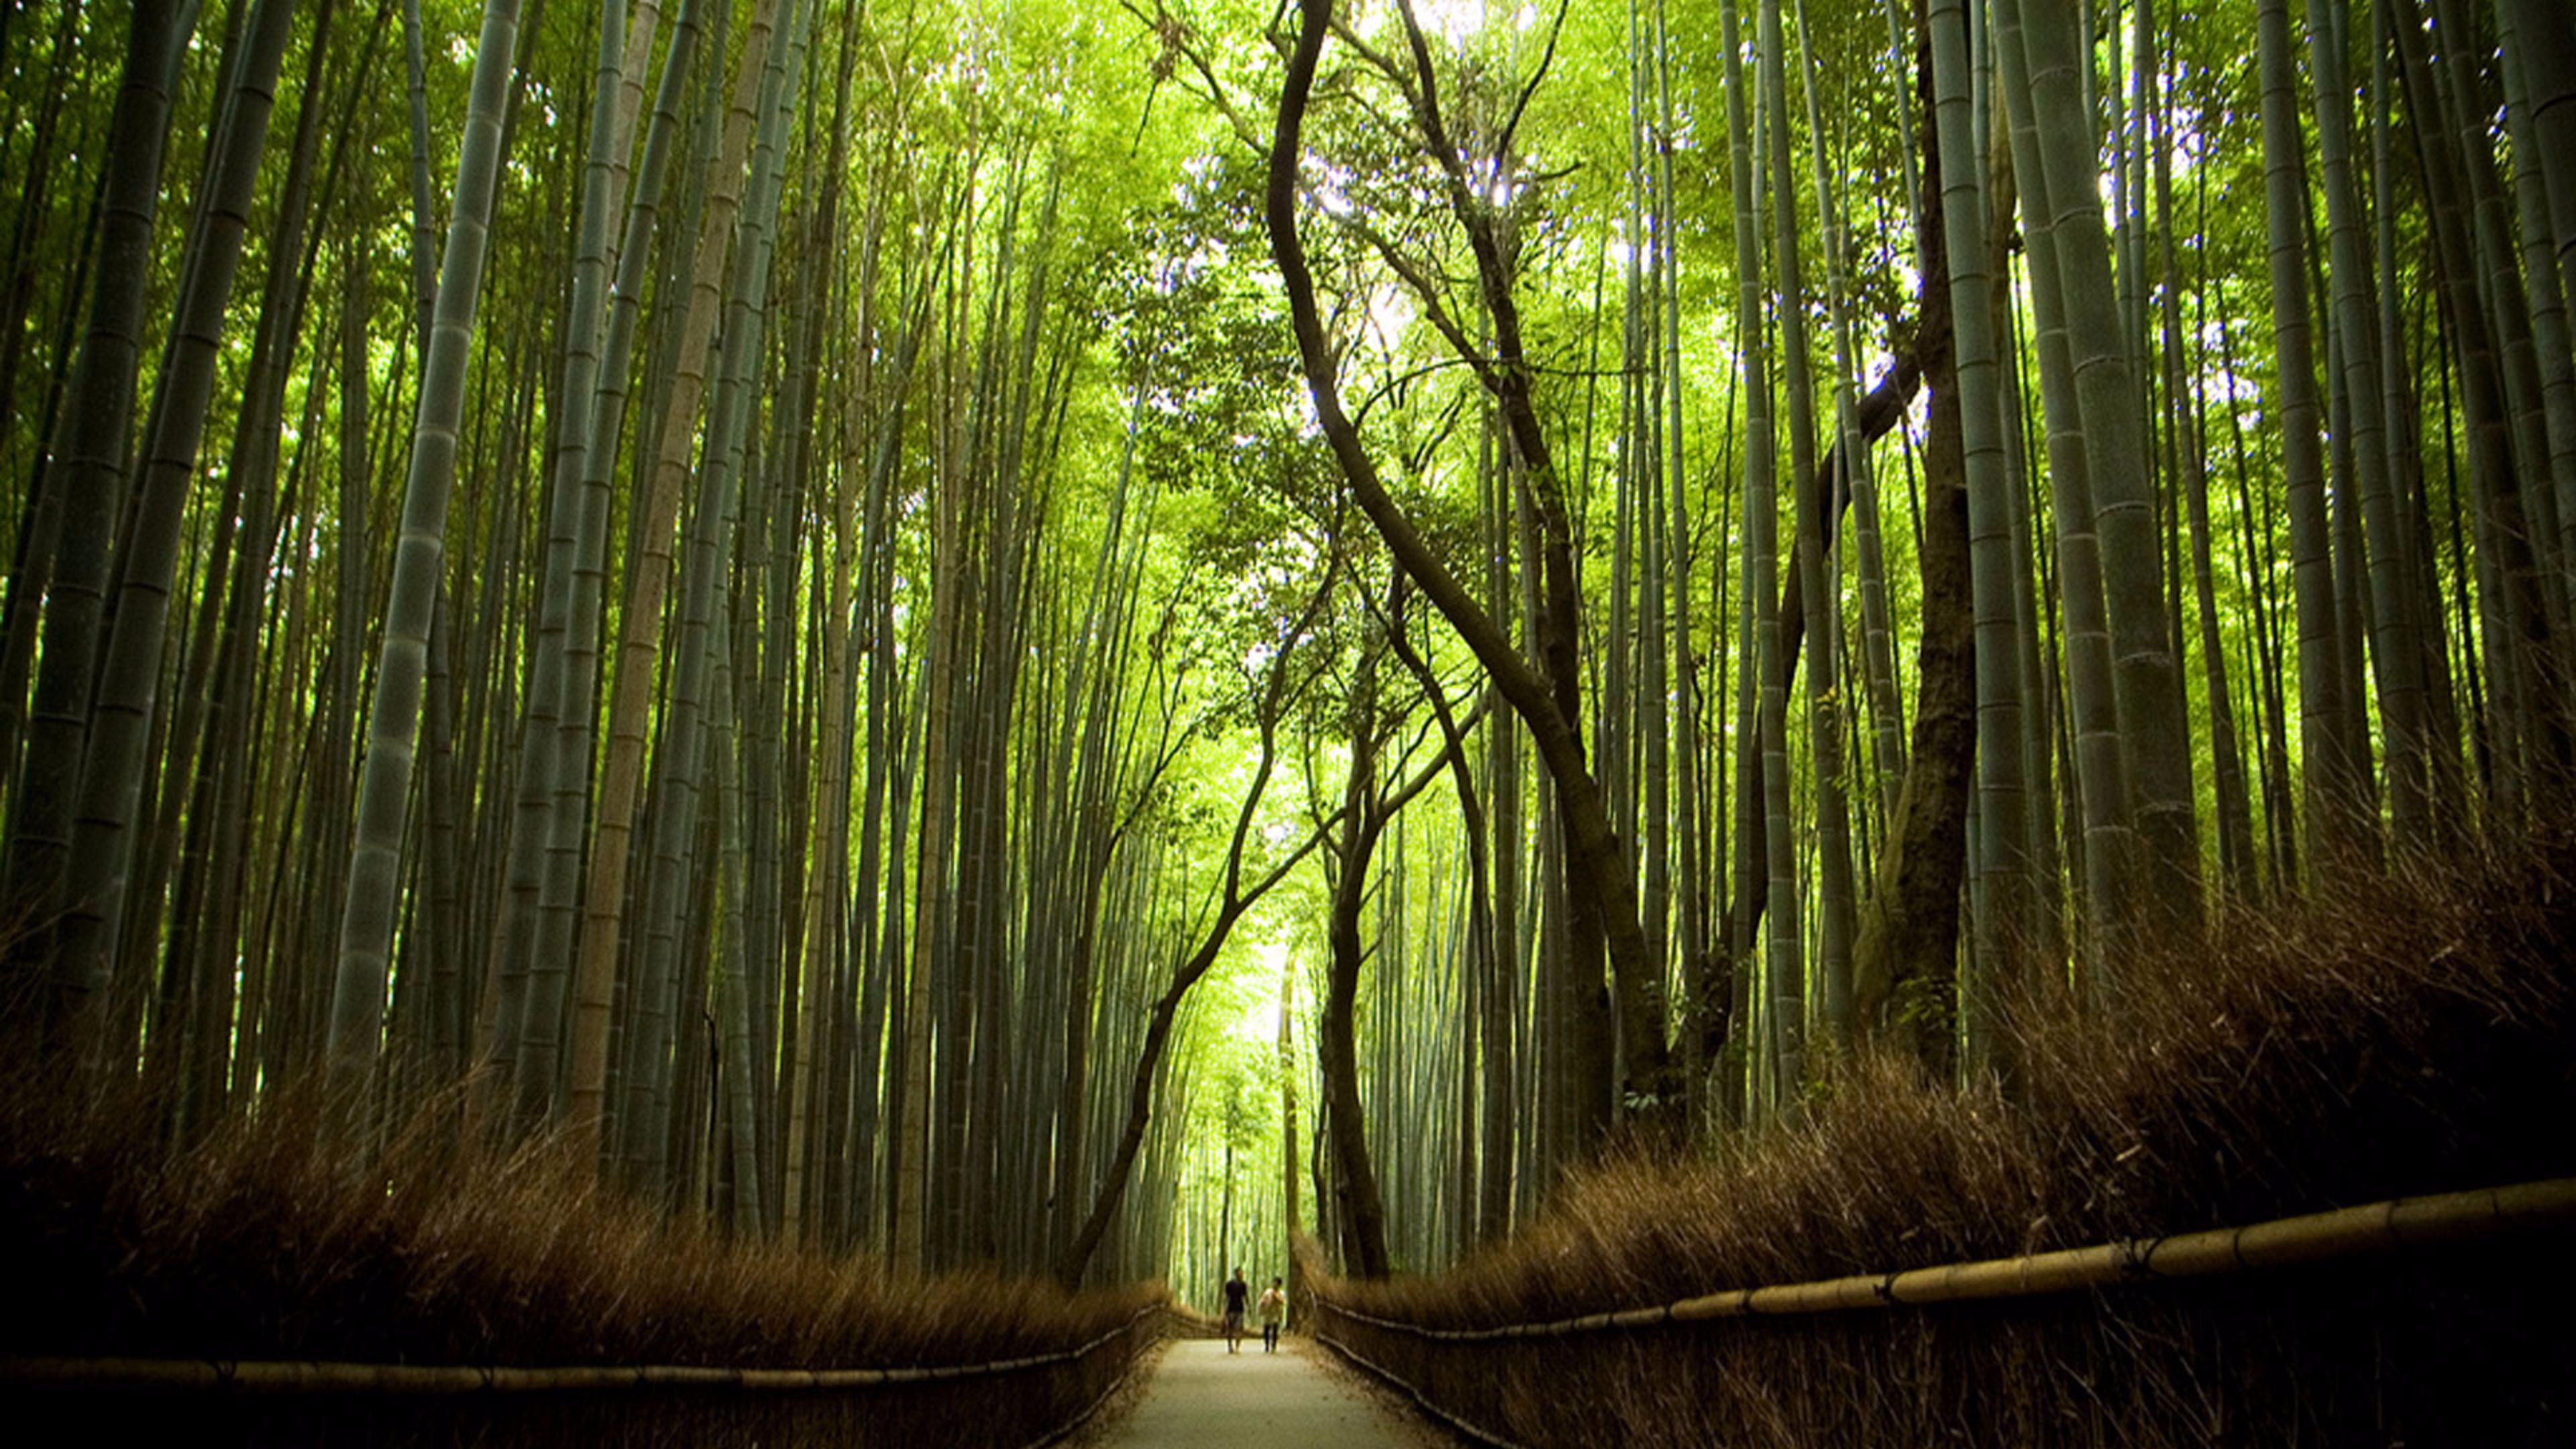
1068,635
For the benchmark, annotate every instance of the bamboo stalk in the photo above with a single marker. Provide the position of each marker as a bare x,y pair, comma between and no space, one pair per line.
301,1377
2378,1227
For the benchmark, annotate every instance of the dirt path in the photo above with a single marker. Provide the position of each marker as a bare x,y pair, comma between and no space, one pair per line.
1201,1395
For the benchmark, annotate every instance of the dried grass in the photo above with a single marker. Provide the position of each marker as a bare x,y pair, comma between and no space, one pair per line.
269,1240
2411,1037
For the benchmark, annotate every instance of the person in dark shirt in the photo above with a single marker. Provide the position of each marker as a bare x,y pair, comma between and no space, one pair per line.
1236,1291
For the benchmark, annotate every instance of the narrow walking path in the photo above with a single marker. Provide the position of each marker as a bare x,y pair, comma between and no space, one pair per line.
1202,1395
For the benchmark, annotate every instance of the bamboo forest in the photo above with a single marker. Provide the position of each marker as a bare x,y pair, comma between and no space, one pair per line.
1788,722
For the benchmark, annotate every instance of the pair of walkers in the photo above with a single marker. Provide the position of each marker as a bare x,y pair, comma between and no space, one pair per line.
1274,1308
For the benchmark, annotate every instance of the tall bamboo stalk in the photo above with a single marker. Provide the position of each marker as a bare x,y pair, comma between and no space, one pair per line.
2003,915
367,925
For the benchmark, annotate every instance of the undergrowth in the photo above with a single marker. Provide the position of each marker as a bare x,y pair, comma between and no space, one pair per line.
2409,1037
274,1239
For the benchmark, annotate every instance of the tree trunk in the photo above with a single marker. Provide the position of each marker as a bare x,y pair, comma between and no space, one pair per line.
1600,886
1362,1214
1967,721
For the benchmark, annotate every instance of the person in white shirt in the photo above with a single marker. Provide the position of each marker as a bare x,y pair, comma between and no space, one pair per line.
1274,1308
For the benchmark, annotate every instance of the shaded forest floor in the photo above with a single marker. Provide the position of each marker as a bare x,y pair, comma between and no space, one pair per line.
268,1241
2415,1034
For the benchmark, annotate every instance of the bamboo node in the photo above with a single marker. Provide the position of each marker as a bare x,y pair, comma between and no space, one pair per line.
2137,1258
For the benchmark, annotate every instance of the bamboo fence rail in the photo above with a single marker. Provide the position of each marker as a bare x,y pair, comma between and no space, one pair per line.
2373,1228
2379,1227
299,1377
1466,1427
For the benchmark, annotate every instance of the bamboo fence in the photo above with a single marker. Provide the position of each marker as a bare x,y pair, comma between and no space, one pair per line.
300,1377
2407,1222
2371,1229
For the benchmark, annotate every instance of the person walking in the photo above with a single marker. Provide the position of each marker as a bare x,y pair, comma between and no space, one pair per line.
1274,1308
1236,1292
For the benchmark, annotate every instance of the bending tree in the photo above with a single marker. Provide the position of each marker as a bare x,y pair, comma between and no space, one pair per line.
1601,894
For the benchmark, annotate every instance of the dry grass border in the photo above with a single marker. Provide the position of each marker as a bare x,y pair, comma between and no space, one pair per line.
269,1241
2409,1039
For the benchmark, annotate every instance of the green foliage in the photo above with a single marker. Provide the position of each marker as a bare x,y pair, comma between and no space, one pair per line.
1056,206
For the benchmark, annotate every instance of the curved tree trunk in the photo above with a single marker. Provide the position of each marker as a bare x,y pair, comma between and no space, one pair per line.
1233,900
1601,891
1361,1210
